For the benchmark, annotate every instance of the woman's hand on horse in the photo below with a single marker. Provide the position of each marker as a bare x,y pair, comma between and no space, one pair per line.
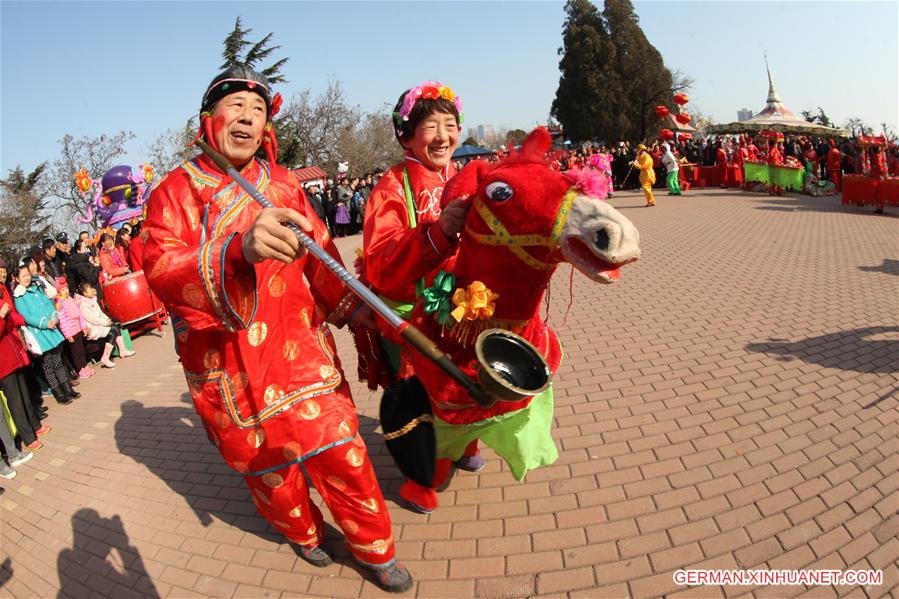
269,238
452,219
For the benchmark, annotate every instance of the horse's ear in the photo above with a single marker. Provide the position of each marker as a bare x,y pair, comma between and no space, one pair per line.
465,183
536,145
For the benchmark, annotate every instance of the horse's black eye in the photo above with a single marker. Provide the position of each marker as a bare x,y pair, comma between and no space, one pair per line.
499,191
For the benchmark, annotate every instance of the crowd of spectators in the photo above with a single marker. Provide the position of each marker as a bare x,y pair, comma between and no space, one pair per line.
794,149
53,326
341,203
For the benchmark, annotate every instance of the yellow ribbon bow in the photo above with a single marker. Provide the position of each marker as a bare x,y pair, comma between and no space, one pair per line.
474,303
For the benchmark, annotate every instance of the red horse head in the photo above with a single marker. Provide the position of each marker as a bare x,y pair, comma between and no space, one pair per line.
526,218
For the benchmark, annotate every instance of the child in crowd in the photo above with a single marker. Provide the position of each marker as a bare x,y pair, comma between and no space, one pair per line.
342,214
99,325
72,325
45,340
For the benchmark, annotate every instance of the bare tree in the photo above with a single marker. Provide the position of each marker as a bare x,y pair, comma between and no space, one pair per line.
96,155
170,149
857,126
369,145
309,129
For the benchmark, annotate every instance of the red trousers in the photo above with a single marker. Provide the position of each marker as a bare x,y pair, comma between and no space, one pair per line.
426,497
346,481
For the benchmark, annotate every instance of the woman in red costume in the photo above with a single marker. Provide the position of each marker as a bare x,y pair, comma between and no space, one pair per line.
878,172
774,157
253,335
112,262
752,151
407,238
721,163
834,165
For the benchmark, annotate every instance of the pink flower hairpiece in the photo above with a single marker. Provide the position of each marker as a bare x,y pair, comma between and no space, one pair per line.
429,90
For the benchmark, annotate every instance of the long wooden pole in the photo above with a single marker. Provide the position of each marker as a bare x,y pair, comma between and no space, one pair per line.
407,330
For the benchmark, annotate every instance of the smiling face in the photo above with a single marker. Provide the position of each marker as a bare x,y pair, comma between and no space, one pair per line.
24,276
435,139
238,121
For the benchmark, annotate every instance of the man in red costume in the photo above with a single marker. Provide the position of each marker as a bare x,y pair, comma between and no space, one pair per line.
834,165
253,335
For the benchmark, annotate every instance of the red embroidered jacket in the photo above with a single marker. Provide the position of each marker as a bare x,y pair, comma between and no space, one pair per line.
258,355
396,255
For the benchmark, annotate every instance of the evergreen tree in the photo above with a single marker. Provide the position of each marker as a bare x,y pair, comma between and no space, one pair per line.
644,79
237,41
587,83
23,211
612,77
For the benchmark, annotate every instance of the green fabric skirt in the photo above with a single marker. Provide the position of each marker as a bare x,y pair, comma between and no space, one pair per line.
523,438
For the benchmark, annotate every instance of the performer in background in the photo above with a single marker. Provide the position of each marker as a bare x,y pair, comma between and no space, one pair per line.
834,165
670,164
775,158
721,162
253,334
878,172
643,163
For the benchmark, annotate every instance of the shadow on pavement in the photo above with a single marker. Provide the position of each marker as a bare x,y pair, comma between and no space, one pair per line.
5,571
102,553
890,267
161,437
852,350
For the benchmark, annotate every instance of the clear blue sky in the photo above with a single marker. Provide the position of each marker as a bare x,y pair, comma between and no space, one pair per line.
88,68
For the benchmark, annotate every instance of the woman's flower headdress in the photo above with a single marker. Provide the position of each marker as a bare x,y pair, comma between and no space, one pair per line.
429,90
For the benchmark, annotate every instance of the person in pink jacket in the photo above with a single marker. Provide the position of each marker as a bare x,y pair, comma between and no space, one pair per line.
73,327
99,325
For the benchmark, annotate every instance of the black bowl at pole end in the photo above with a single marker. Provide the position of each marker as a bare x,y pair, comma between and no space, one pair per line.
509,367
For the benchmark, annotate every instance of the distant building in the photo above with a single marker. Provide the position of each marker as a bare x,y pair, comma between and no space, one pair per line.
744,114
472,133
486,132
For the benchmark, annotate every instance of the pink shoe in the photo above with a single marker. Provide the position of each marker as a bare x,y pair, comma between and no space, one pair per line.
127,354
43,430
107,363
35,446
86,372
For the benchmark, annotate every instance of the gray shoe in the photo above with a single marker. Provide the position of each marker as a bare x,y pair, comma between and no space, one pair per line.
6,471
23,457
393,579
315,556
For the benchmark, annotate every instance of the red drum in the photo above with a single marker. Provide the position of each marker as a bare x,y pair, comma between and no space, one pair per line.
130,300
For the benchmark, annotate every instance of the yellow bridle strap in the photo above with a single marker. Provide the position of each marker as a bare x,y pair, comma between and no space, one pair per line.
517,243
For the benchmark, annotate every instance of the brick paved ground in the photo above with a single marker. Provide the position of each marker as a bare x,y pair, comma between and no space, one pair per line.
731,403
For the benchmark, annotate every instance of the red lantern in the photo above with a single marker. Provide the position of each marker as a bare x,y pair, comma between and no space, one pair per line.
681,99
666,134
683,118
661,111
